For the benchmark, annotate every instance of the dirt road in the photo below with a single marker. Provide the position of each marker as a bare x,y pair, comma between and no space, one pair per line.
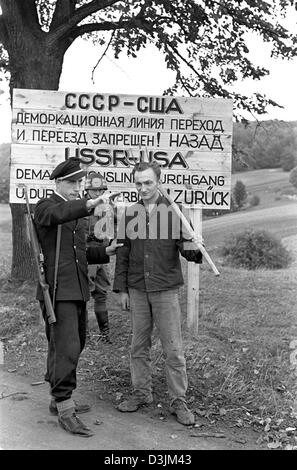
27,425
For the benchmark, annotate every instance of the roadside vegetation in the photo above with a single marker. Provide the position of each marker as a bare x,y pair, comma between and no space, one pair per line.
254,249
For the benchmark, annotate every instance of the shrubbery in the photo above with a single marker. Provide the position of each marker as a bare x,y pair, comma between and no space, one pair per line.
288,161
293,177
239,194
254,200
253,249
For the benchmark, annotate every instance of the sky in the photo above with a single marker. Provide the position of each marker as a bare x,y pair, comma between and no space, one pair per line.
148,75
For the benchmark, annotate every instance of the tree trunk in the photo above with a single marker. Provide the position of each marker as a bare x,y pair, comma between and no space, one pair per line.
36,63
22,267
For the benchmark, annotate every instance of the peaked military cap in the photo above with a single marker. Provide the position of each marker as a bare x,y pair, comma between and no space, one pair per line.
68,170
95,181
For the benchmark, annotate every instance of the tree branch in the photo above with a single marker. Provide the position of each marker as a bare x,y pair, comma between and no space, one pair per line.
28,12
92,7
183,59
78,15
185,86
104,53
105,26
62,12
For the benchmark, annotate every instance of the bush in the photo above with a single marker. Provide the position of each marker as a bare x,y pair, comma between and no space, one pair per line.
288,162
293,177
253,249
239,194
254,200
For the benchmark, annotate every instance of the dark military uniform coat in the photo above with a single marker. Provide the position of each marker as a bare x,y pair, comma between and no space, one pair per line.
72,278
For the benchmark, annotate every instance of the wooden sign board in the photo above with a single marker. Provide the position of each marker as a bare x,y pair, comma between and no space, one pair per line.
191,138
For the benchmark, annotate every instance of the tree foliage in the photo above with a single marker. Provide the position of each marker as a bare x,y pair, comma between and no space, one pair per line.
239,194
293,177
203,42
265,144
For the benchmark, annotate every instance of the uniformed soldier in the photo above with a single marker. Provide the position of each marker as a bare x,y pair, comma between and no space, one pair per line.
68,285
98,275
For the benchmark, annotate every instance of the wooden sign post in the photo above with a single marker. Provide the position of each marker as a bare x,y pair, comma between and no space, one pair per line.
193,278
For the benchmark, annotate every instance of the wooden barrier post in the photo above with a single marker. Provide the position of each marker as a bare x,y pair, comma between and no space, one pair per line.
193,277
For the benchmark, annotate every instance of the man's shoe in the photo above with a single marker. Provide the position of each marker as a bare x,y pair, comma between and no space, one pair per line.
79,408
74,425
183,414
135,402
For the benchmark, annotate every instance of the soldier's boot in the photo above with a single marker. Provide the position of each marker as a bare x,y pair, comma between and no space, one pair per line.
103,324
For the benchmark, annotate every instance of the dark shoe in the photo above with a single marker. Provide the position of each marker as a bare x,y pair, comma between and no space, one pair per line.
79,408
74,425
183,414
134,402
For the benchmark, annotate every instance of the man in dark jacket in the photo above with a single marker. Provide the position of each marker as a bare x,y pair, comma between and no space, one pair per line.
68,284
147,276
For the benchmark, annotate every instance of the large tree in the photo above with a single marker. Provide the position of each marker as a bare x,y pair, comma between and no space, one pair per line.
203,41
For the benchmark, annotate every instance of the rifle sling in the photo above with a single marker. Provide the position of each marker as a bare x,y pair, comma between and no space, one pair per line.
58,244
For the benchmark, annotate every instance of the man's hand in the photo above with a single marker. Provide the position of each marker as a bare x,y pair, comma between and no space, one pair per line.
102,199
125,301
194,244
198,240
92,203
111,249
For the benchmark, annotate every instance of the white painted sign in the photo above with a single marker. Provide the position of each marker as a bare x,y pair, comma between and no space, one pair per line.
191,139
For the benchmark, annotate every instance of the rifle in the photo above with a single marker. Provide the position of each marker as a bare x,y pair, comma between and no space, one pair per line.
39,262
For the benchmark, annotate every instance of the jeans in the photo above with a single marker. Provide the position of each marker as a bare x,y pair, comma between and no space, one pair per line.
162,309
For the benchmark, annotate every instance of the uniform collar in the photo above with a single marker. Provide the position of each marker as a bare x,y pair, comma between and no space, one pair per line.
60,195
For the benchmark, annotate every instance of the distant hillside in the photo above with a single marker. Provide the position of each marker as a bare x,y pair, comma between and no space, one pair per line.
264,144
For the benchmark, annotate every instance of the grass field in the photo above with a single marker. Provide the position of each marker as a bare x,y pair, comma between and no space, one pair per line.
271,185
280,220
263,179
276,213
240,375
